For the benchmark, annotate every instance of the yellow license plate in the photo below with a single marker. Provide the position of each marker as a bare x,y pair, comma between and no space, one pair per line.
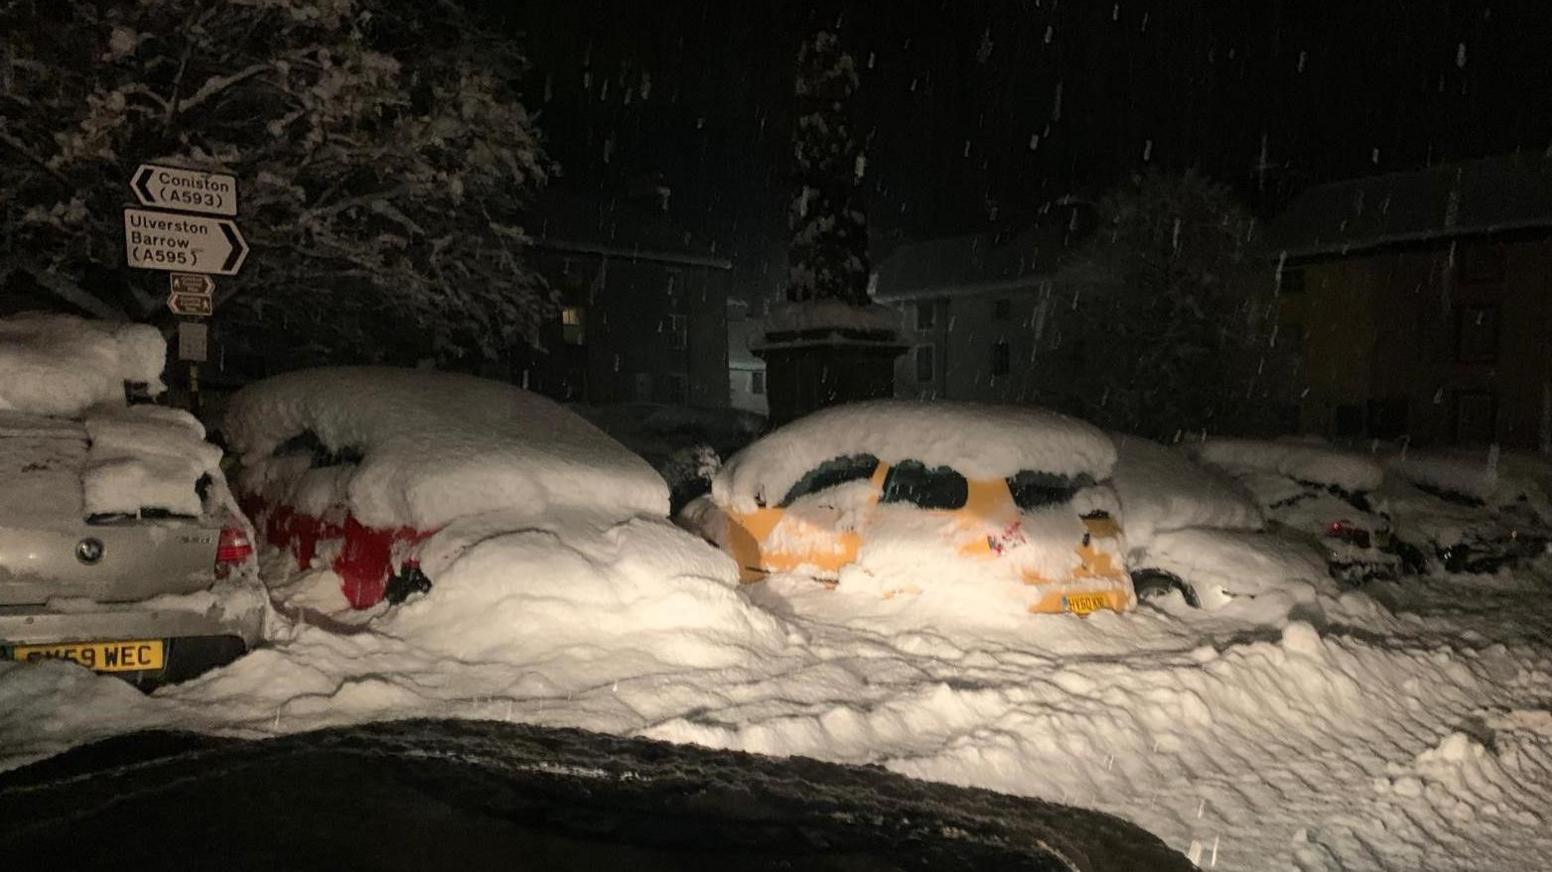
1083,603
127,656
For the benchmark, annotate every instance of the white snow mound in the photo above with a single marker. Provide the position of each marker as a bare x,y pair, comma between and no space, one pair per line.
1160,490
145,457
1225,564
61,364
439,446
980,442
1320,464
641,591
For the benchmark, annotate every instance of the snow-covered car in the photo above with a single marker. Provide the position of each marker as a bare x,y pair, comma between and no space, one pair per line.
911,494
120,546
1319,491
355,469
1465,512
1193,530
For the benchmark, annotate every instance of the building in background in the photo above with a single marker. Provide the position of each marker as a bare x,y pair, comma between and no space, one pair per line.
982,313
746,372
1420,304
643,306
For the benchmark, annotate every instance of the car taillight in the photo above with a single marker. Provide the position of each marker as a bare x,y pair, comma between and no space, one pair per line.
233,549
1349,533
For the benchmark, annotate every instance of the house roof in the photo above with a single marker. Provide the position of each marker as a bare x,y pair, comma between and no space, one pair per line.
564,220
1493,195
980,263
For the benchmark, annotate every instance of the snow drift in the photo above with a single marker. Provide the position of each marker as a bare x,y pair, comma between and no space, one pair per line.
635,594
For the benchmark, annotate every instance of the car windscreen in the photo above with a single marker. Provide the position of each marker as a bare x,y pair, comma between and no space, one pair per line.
937,487
1032,489
835,471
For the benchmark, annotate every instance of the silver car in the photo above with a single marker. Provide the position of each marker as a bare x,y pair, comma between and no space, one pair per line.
149,596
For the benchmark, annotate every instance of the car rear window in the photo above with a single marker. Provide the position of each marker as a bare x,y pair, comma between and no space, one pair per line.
838,470
938,487
1032,489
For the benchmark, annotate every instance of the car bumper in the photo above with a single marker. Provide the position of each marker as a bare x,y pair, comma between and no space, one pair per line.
193,641
1081,599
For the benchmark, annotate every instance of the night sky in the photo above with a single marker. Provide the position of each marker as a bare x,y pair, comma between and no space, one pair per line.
697,96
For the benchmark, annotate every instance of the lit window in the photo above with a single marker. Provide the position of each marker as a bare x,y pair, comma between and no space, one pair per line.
573,322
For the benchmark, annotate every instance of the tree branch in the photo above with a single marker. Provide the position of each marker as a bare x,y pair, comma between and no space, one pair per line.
21,148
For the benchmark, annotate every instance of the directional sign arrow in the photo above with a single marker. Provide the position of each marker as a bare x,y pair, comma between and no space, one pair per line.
182,243
200,305
185,190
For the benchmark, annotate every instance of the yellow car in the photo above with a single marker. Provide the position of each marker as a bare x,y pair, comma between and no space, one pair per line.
917,493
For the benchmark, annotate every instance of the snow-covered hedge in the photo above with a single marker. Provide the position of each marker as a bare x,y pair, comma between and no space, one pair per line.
437,446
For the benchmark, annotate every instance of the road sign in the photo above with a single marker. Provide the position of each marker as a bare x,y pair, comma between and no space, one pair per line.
182,243
198,305
193,339
185,190
190,283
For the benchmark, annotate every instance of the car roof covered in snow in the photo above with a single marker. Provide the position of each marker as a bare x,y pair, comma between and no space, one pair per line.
436,446
1488,475
1161,489
978,441
1305,461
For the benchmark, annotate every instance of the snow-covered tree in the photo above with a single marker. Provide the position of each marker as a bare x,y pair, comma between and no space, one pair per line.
382,154
829,249
1185,338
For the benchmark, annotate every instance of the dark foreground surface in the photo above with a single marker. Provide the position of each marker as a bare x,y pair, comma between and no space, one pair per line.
490,795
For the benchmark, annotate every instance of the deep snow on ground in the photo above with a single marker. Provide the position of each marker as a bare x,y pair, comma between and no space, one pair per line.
1407,727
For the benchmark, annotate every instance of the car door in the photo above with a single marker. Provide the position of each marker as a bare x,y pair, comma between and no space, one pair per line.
815,528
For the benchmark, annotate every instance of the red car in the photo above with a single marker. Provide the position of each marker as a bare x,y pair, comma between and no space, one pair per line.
365,558
354,468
